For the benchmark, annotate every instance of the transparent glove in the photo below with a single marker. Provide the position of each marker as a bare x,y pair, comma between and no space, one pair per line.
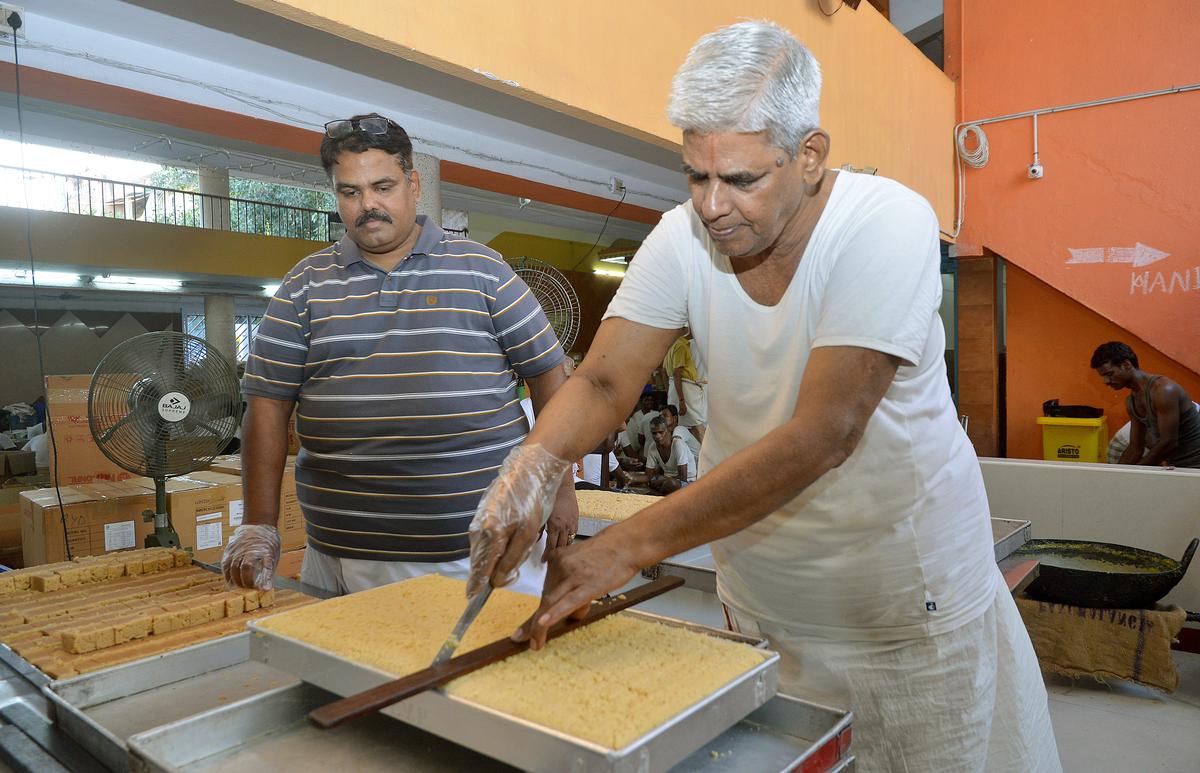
251,556
511,513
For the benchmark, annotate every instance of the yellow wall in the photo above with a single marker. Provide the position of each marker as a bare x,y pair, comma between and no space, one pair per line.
611,63
109,244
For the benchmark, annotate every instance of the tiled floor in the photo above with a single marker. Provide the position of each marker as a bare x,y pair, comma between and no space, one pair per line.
1123,727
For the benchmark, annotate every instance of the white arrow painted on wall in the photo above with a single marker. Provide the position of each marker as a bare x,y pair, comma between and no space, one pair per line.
1139,255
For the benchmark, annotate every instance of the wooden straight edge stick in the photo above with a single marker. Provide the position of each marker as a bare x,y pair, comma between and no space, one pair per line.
370,701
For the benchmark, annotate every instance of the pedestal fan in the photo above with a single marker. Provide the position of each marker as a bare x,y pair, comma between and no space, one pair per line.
160,405
555,294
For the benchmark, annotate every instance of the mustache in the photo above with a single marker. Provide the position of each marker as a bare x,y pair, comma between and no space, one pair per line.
373,214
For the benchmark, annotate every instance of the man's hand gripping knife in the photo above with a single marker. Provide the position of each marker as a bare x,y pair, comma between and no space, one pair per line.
251,556
510,515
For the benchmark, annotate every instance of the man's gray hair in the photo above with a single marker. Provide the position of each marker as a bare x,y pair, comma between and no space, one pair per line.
748,77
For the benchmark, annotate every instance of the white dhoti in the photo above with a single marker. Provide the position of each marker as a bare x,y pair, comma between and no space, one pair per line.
350,575
694,399
971,699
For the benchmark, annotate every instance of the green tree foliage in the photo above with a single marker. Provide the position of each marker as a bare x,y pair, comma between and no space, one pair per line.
247,211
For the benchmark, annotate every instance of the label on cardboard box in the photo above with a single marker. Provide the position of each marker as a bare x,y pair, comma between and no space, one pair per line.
236,511
118,536
208,531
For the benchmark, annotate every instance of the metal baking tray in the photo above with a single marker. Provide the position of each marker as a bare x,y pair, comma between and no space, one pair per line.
525,744
699,573
1009,535
271,731
590,527
102,709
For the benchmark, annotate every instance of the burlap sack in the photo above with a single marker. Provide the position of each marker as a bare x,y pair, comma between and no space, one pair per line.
1132,644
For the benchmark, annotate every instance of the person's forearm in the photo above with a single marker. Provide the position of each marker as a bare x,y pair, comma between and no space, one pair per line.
745,488
1130,455
581,414
264,451
541,389
677,376
1159,452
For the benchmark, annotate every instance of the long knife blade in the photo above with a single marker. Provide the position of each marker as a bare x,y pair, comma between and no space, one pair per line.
474,606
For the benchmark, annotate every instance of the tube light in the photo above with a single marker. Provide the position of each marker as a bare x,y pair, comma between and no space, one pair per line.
607,272
143,283
20,276
270,290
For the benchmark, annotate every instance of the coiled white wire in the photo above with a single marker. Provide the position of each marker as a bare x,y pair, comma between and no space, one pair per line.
978,157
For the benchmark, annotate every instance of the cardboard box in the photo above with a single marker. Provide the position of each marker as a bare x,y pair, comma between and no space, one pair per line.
291,518
99,518
201,511
231,464
79,458
16,463
290,563
10,525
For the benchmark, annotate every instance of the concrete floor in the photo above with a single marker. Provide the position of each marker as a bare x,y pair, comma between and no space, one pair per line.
1123,727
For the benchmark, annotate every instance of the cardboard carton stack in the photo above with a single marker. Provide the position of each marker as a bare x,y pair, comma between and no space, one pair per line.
291,518
205,508
80,460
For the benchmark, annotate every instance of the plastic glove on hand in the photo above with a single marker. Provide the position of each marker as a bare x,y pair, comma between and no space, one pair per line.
251,556
511,513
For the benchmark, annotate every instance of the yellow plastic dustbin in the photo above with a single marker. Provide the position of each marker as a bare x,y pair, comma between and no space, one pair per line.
1074,440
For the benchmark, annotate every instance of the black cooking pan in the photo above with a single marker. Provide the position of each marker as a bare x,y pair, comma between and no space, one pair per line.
1100,574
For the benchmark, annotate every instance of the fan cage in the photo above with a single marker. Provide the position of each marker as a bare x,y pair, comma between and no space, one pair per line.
555,295
123,404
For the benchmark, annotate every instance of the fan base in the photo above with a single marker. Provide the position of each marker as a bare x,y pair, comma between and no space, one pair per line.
163,537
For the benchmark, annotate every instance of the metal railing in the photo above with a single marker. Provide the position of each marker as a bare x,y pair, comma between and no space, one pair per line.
78,195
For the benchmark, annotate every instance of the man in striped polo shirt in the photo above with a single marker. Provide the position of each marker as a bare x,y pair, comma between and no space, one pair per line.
401,348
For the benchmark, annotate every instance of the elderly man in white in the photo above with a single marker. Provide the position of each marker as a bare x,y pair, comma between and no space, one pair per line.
844,503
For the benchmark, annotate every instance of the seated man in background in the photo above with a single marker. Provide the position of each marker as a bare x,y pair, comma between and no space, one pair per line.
591,472
1163,420
670,415
638,425
669,463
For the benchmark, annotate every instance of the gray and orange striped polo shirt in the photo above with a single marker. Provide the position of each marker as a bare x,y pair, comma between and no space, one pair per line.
406,390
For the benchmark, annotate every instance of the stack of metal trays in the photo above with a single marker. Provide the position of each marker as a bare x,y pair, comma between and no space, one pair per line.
101,710
524,744
271,732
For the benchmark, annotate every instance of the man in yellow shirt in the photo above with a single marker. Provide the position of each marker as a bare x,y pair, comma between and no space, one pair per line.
684,388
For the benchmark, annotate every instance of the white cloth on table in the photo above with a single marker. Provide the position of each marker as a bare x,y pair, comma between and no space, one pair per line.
680,455
40,445
350,575
896,542
977,689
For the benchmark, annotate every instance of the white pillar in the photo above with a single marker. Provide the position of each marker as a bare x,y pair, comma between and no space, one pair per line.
214,212
219,326
430,169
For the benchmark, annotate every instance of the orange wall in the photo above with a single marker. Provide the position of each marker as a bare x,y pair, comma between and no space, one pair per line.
1050,343
1115,176
611,64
